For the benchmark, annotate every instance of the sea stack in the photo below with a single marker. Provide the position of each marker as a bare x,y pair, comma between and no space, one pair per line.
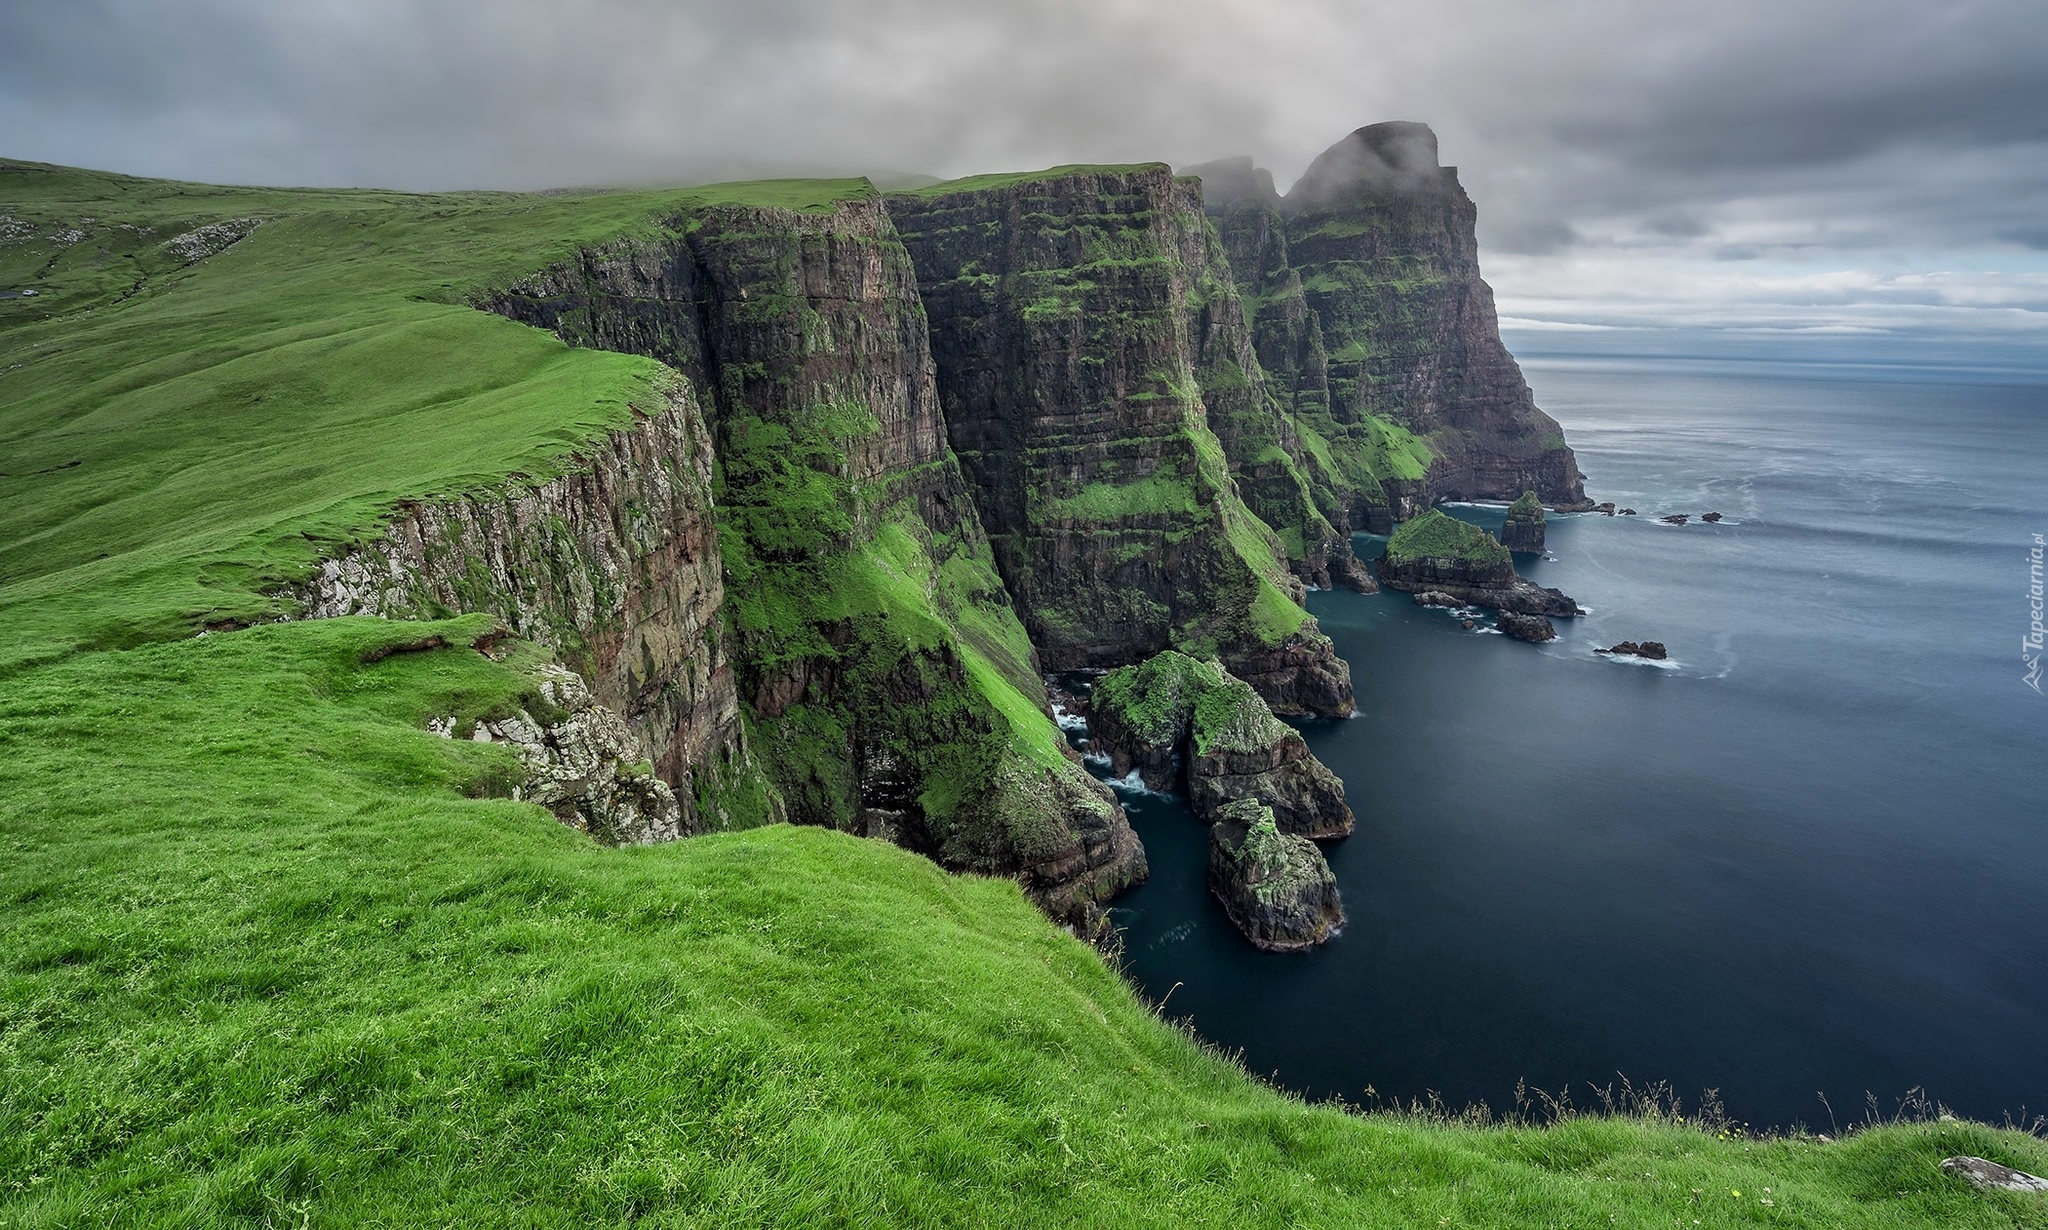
1523,530
1435,553
1276,887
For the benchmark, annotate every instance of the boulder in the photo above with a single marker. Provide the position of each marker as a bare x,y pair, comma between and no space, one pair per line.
1989,1176
1277,888
1628,512
1711,517
1435,597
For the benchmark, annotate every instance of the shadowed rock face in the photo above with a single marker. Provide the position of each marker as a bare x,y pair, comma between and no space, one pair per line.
1371,308
1277,888
1072,318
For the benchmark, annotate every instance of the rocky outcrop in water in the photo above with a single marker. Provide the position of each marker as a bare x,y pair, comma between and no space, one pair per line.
1439,554
1073,314
1523,529
1534,629
1277,888
1181,722
1653,650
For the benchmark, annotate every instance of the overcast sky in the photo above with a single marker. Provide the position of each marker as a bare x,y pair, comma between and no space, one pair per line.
1657,173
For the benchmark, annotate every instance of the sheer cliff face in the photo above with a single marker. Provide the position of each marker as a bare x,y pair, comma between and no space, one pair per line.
1377,331
1066,312
615,568
891,687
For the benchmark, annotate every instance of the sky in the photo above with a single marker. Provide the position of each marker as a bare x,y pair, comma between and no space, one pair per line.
1823,177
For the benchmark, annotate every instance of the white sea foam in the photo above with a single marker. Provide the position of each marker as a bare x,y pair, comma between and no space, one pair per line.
1629,659
1134,783
1068,721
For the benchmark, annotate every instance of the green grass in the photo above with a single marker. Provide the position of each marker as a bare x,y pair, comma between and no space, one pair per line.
1435,535
272,954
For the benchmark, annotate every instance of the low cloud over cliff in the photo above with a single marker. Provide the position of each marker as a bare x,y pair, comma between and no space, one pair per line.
1634,163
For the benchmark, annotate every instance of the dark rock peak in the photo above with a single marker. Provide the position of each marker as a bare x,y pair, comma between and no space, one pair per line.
1227,181
1397,156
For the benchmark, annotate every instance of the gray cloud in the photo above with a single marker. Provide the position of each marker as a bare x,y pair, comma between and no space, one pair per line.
1673,130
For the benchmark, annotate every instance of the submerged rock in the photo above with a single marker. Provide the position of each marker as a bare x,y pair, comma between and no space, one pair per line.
1523,530
1628,512
1674,519
1710,518
1439,554
1534,629
1276,887
1180,721
1435,597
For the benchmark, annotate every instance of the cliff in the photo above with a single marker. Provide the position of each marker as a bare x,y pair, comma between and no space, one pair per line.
1188,723
1066,311
614,567
892,690
1378,334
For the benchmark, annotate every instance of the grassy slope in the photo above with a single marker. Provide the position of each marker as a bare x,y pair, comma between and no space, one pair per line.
262,960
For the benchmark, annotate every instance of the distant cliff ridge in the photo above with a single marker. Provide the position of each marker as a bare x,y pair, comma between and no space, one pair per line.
1376,331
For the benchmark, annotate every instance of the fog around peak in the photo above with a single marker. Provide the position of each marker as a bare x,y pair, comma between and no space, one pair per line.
1831,169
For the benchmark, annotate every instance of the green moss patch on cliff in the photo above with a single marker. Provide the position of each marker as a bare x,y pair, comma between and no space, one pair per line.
1435,535
1171,697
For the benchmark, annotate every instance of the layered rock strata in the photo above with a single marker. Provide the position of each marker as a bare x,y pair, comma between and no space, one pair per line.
615,568
1069,314
1437,554
1275,887
1182,722
1377,332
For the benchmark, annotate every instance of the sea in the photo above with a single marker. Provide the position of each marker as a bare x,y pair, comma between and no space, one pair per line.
1798,871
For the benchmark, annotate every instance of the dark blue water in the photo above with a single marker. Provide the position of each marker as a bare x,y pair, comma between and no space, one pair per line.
1810,856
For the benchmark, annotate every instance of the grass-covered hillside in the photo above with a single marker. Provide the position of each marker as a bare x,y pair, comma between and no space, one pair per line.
267,958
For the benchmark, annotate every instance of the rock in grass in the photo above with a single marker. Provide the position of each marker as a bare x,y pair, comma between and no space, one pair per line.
1991,1177
1523,530
1531,628
1276,887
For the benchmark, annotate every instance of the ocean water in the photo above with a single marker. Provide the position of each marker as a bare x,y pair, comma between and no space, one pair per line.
1805,861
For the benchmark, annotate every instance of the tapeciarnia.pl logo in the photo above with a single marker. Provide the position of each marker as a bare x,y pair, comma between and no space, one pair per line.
2030,645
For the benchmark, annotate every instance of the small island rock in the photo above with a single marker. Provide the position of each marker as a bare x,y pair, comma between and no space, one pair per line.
1534,629
1523,529
1711,517
1435,553
1277,888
